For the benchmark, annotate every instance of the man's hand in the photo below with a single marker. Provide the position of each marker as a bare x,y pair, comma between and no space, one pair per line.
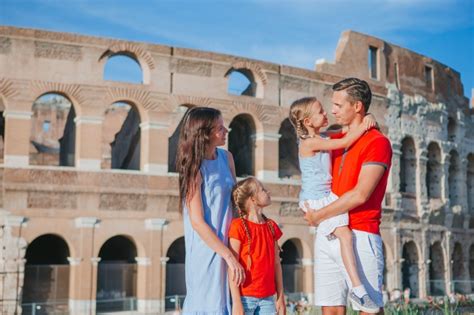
313,217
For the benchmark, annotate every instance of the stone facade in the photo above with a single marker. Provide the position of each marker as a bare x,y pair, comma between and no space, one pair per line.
428,218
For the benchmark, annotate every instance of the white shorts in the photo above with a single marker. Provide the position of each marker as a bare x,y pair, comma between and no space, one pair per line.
331,281
328,226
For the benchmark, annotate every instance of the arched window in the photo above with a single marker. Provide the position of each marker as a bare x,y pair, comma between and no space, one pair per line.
458,271
470,184
292,268
175,280
454,179
288,165
408,167
123,67
117,276
53,131
46,272
174,139
437,271
434,171
121,137
242,144
410,269
452,128
241,82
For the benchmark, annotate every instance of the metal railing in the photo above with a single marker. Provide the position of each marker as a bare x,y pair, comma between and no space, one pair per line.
116,305
174,302
57,307
437,287
462,286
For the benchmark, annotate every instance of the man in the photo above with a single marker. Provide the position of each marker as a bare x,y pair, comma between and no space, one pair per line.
360,175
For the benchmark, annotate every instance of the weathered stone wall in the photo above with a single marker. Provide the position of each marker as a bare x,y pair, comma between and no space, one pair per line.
86,205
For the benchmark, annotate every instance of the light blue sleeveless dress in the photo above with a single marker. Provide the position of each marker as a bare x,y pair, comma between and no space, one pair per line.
316,180
207,291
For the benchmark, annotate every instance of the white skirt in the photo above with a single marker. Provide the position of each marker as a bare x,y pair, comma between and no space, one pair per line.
328,226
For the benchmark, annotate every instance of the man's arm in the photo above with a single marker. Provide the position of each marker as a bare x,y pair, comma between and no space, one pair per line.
369,178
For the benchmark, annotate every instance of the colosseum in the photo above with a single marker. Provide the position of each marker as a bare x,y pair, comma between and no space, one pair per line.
89,218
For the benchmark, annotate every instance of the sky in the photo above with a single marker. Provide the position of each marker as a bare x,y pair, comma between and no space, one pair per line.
289,32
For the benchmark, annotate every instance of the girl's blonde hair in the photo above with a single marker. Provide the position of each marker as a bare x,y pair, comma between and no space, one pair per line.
299,110
242,191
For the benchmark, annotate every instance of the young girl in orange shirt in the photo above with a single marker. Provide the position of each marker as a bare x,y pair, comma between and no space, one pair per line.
253,239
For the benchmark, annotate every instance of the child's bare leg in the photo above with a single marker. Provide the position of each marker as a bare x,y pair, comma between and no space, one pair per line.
344,234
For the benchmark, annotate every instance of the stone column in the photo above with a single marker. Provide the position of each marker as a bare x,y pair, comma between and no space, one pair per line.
397,259
445,190
12,263
154,147
421,188
448,263
152,297
308,278
17,138
266,156
144,305
83,272
88,152
394,178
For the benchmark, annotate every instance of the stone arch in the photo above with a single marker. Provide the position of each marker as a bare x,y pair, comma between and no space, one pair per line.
410,268
458,272
454,179
134,51
2,127
141,99
288,165
175,274
7,92
470,184
408,167
53,130
121,136
174,138
254,73
242,144
117,273
291,262
452,129
122,68
437,270
46,275
434,171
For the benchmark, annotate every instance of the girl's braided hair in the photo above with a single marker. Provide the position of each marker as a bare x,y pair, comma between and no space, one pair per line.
299,110
241,193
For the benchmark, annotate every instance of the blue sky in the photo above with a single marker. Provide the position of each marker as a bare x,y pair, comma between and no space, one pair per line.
291,32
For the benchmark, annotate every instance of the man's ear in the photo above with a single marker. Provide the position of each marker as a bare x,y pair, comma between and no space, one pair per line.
359,107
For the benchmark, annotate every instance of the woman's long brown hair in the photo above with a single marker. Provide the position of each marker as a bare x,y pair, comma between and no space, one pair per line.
194,139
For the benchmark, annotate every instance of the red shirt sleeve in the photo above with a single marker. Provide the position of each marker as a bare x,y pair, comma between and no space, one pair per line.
276,228
378,151
236,230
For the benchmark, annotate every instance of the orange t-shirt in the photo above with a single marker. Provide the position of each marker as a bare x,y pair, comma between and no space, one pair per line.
260,279
372,148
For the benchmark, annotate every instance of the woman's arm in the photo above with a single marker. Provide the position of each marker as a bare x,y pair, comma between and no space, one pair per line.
237,307
205,232
280,302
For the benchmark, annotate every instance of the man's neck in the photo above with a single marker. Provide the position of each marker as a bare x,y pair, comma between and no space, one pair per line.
355,122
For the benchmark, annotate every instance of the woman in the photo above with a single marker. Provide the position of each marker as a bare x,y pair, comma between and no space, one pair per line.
206,178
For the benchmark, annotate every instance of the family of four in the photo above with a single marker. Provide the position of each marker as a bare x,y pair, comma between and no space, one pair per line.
233,261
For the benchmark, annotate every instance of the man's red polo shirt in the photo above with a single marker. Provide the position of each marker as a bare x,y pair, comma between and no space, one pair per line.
372,148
